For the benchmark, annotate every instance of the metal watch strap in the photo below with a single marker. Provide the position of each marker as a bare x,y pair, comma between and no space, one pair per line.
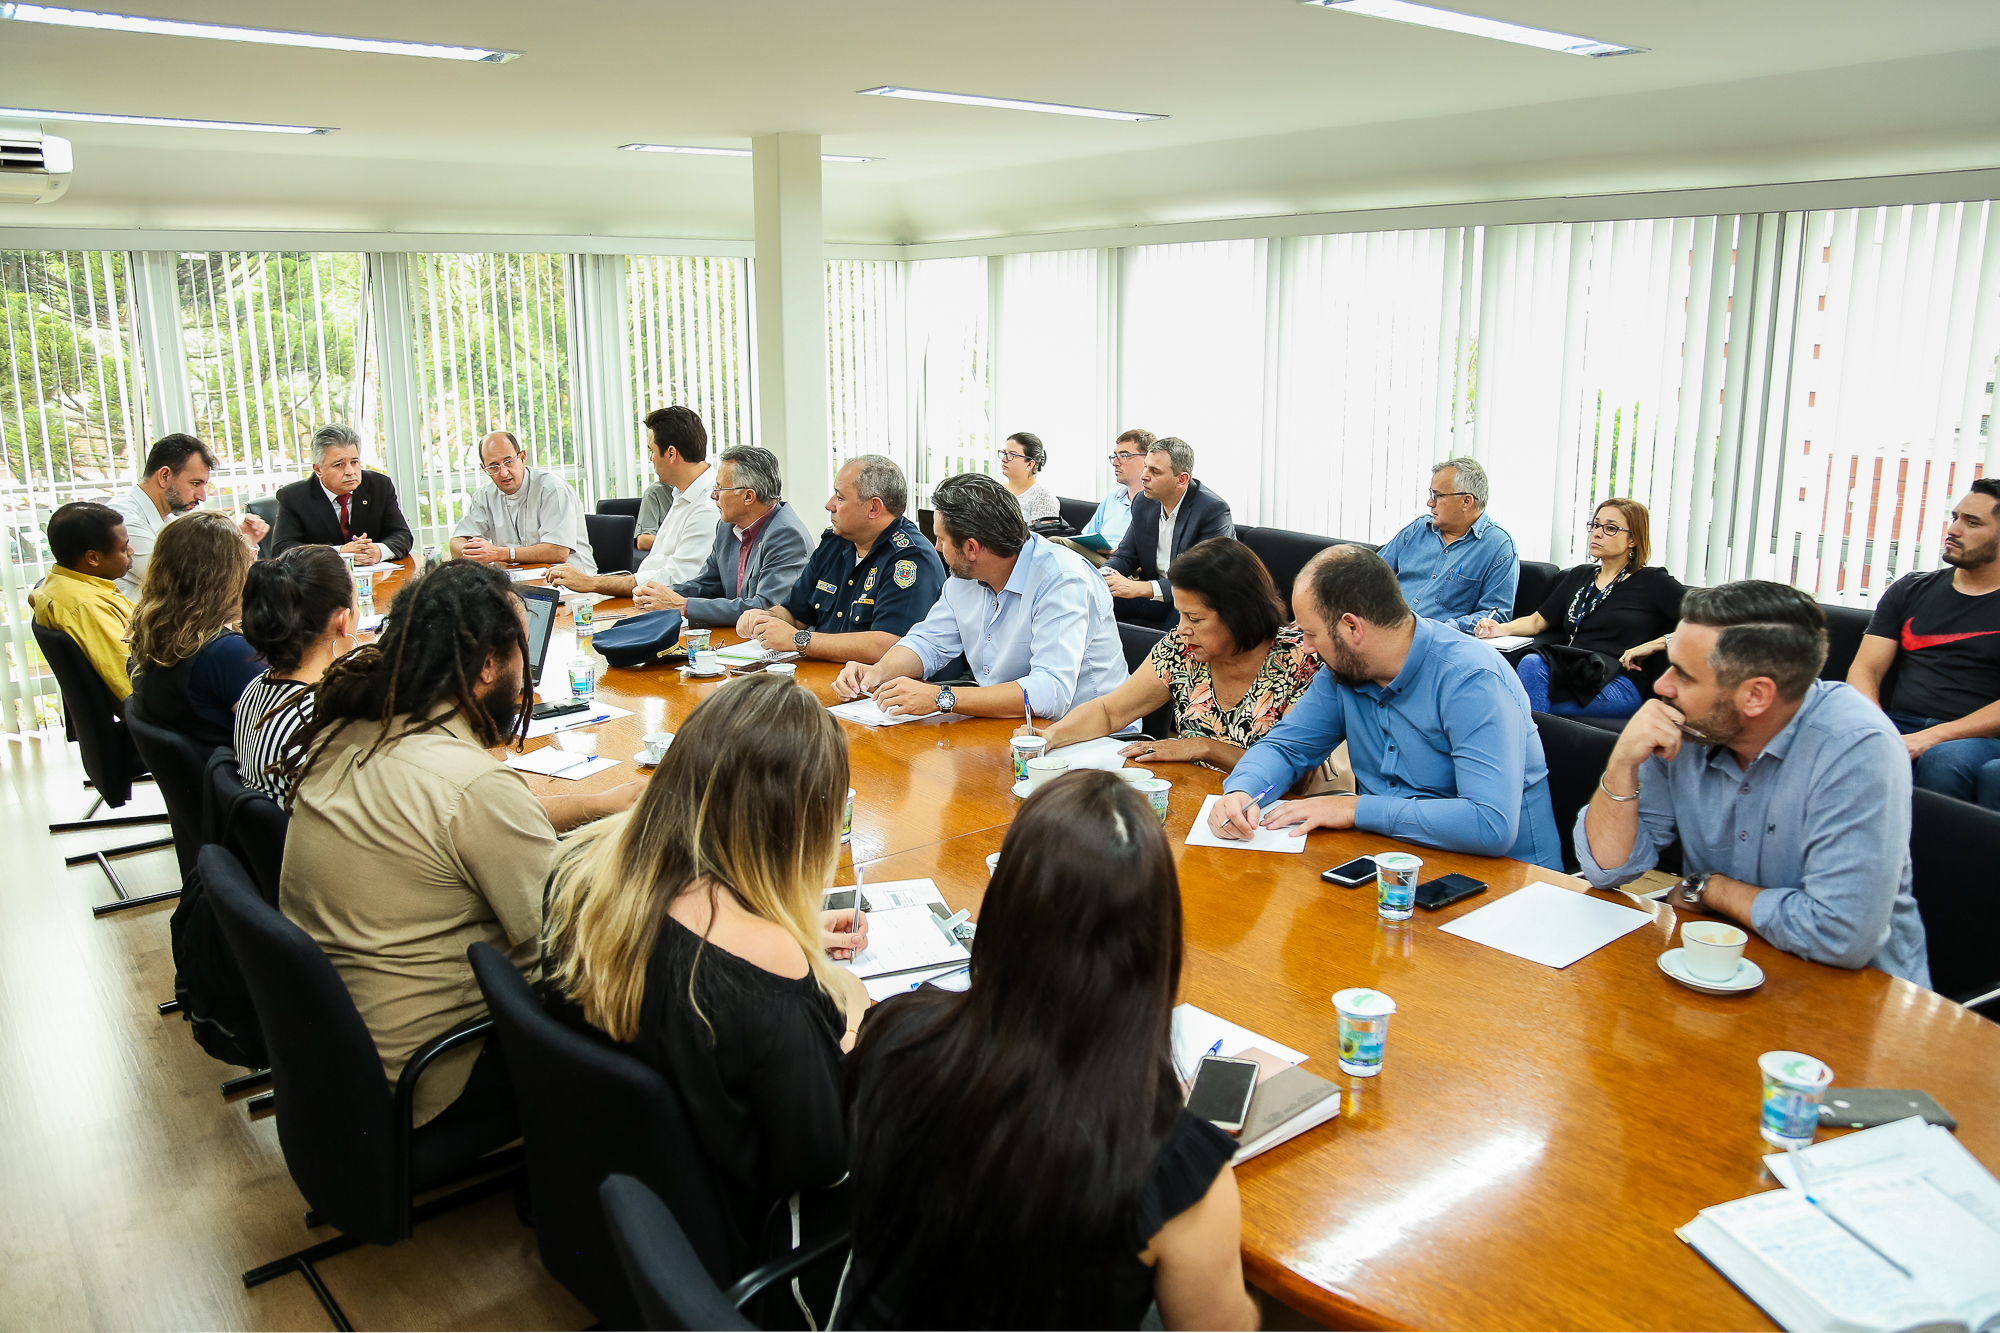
1692,888
946,699
801,639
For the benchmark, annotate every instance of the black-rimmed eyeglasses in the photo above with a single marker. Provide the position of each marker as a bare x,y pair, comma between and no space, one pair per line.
1607,529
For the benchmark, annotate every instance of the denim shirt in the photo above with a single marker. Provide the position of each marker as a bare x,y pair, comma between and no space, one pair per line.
1820,821
1113,516
1459,583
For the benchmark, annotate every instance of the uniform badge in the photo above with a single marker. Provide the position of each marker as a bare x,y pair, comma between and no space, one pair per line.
905,573
868,584
899,540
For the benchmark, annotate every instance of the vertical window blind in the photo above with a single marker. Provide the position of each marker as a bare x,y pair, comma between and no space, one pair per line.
867,403
690,335
1052,370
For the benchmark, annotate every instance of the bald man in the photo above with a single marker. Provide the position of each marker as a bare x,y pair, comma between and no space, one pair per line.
529,517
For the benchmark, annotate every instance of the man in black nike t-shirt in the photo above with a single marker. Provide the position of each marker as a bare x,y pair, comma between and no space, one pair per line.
1940,630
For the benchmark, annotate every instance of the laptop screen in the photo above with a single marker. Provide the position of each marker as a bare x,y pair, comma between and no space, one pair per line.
542,603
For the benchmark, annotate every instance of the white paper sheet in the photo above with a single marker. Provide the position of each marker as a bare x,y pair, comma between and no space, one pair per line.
549,726
368,624
950,977
869,714
1100,753
904,937
381,567
1266,839
1196,1031
527,575
1549,925
555,762
1507,643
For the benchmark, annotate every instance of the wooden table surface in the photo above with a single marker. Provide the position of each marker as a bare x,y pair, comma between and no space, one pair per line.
1535,1135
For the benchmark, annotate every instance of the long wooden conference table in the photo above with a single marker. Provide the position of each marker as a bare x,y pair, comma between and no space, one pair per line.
1535,1135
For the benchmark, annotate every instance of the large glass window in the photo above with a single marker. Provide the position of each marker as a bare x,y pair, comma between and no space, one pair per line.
1051,368
865,408
690,330
950,373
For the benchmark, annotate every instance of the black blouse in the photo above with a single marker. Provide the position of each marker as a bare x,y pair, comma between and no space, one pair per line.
763,1087
1636,609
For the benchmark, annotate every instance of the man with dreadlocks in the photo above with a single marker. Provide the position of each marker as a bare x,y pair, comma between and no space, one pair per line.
409,840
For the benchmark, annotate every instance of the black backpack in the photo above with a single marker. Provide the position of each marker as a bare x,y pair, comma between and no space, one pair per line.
208,983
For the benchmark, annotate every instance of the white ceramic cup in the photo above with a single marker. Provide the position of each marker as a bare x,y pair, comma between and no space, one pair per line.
1135,776
1042,769
707,663
656,745
1710,950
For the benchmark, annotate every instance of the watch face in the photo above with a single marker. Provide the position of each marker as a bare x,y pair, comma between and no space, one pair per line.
802,638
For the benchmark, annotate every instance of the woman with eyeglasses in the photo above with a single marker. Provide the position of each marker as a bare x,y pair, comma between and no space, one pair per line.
1606,617
1021,460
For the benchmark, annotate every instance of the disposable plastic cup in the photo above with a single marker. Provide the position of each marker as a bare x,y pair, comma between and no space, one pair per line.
1793,1085
847,818
1135,776
1157,791
1396,884
786,669
1024,748
1364,1029
695,641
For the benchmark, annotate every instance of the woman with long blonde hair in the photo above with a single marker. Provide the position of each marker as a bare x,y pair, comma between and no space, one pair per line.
690,928
189,663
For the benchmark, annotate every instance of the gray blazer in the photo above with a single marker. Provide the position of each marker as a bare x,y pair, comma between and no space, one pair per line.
776,561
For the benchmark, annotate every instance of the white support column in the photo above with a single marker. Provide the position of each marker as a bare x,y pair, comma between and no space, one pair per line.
156,310
601,378
791,313
398,446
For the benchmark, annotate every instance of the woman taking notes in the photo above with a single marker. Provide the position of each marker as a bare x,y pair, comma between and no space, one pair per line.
689,927
1231,669
1021,1154
1609,615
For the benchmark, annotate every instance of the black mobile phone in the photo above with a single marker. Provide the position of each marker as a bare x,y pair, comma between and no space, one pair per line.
1221,1092
841,900
1355,873
1446,890
1864,1108
540,711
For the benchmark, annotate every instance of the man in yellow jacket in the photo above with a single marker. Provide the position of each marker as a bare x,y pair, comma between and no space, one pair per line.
80,597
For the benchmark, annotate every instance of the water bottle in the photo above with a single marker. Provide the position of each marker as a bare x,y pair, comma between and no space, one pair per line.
584,618
364,591
587,668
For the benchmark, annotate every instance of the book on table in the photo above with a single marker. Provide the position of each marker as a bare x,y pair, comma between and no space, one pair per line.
1901,1233
1288,1100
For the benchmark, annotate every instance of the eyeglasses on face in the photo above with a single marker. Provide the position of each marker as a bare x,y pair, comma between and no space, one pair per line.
1125,457
1608,529
1440,495
724,490
1012,453
498,466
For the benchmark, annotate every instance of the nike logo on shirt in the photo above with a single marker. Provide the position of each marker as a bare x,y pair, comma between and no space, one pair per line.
1912,640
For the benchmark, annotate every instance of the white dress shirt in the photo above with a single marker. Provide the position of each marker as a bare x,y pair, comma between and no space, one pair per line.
1166,556
143,521
686,535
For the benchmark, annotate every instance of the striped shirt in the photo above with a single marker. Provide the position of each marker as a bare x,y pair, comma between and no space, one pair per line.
267,714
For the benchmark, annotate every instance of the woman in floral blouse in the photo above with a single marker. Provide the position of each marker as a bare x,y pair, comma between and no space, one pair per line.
1230,670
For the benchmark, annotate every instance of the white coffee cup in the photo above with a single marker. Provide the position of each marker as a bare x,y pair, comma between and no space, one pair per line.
1710,950
1042,769
707,663
656,745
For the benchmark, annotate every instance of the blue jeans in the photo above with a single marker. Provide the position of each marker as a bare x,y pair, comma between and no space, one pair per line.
1618,699
1968,769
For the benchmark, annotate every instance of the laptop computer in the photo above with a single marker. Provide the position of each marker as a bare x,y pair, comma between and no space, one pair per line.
542,604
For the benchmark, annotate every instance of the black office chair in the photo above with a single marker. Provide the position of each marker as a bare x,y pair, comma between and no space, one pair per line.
246,821
1844,627
1138,641
612,542
629,506
180,767
1538,580
1284,554
1076,513
111,762
589,1111
266,509
346,1134
669,1282
1576,756
1951,862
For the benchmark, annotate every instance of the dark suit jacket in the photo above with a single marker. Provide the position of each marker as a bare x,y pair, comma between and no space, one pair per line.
307,518
1203,514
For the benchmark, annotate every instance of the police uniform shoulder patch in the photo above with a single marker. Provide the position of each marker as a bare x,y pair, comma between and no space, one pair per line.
868,584
905,573
899,540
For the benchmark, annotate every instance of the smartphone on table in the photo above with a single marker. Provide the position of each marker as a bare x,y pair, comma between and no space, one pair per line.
1446,890
1221,1092
1353,874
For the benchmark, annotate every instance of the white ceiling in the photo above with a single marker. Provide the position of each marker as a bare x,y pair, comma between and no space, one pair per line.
1274,108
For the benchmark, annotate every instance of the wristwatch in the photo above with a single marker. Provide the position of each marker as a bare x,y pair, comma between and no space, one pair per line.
1692,887
801,639
946,700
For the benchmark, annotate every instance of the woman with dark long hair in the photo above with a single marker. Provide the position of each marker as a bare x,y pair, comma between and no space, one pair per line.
189,662
299,614
1021,1154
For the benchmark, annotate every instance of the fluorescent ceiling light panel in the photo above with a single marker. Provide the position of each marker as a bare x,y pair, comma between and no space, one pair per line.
1008,104
1473,25
164,122
222,32
725,152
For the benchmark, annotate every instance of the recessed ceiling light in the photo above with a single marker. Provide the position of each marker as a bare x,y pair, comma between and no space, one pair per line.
1473,25
165,122
222,32
1009,104
726,152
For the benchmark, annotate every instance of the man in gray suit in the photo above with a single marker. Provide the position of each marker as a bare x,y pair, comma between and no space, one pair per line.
761,547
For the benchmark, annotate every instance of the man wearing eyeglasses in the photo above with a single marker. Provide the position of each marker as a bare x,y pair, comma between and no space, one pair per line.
530,517
1114,511
1457,566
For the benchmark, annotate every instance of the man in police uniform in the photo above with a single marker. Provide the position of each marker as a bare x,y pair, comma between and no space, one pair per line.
872,579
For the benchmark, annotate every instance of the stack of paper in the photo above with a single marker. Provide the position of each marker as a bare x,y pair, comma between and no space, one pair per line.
1288,1100
1900,1229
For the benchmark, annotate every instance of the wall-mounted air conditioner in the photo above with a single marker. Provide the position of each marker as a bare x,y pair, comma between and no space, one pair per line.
34,167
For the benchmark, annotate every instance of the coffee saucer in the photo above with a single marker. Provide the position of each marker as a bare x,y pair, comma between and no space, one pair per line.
1020,789
1748,976
699,674
642,761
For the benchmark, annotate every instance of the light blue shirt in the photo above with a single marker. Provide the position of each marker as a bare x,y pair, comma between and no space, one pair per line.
1445,755
1113,516
1050,628
1820,821
1459,583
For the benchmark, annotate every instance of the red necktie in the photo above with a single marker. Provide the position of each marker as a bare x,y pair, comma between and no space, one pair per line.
344,532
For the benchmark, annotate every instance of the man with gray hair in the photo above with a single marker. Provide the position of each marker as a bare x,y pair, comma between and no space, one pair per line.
872,580
1175,514
1458,565
342,505
761,547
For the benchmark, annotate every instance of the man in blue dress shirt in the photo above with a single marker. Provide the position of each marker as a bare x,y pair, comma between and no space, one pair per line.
1444,749
1457,565
1114,511
873,578
1790,794
1032,619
